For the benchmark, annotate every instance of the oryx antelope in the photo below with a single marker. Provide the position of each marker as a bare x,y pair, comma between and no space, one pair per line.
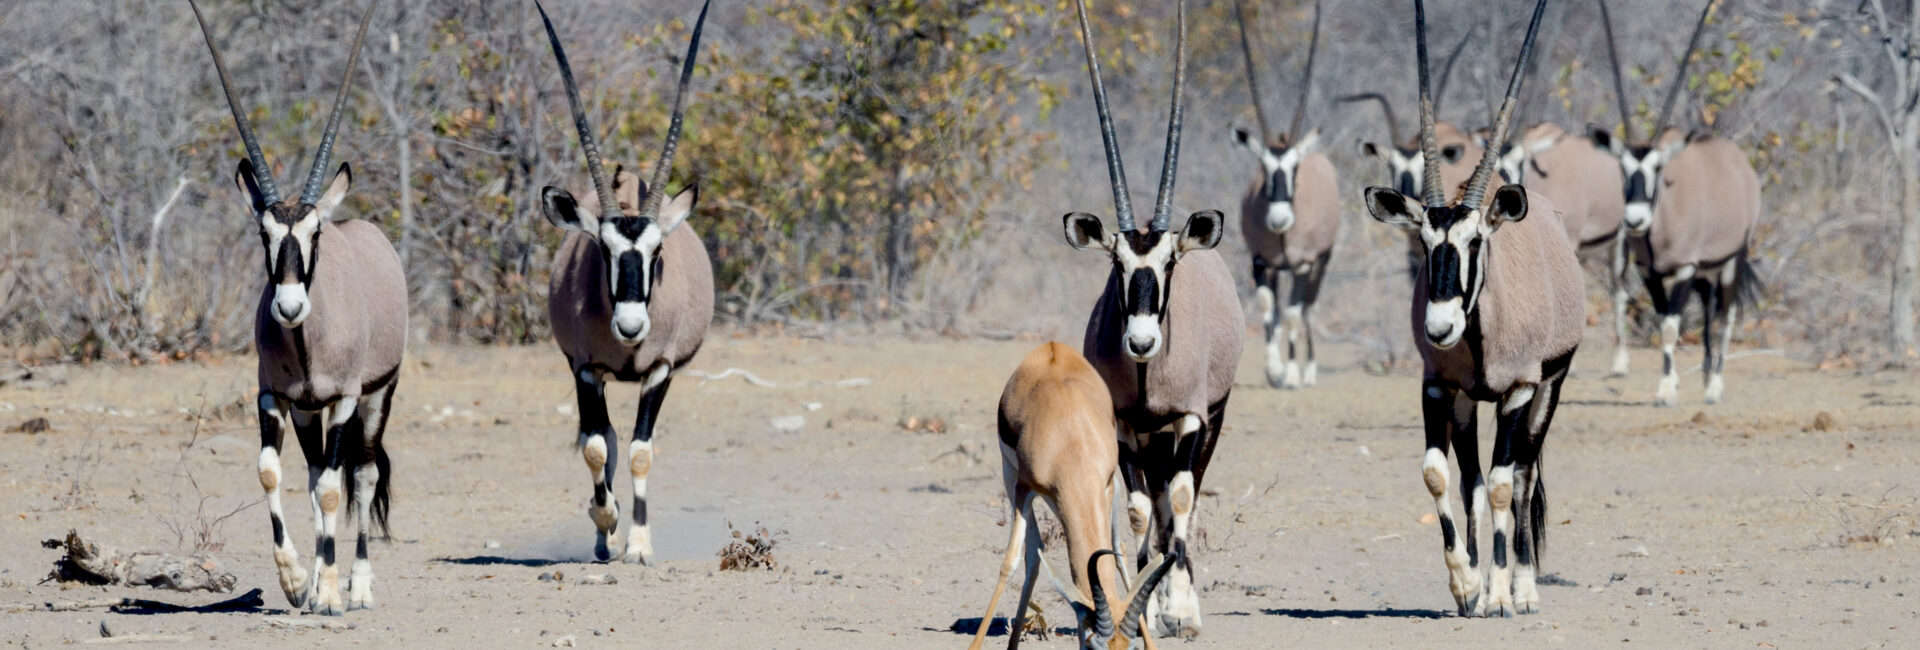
631,299
1057,443
1165,336
1406,165
1691,205
330,330
1291,217
1497,313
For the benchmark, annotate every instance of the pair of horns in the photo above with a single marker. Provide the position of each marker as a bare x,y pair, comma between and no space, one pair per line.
1102,615
656,190
1440,93
263,175
1116,171
1432,194
1673,87
1253,78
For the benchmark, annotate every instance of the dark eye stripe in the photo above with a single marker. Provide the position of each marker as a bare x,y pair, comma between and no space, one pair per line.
1143,292
1443,272
632,285
1277,189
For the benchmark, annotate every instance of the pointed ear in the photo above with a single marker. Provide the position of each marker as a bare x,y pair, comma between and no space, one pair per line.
1390,207
1309,143
1369,149
1084,230
336,192
1453,153
677,209
1603,139
1509,204
563,211
1251,143
1202,232
1544,144
249,187
1672,148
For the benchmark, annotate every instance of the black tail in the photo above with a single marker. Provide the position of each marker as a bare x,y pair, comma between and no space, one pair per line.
1538,509
359,455
1748,288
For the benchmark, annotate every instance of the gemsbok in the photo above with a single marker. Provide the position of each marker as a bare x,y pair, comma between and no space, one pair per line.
330,331
1406,164
1291,217
1165,337
631,299
1057,442
1691,204
1497,312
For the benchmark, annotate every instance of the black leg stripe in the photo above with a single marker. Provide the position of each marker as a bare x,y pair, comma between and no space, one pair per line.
1446,532
325,550
1500,549
640,511
279,531
360,546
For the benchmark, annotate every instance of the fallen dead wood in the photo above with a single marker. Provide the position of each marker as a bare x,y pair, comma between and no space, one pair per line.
100,564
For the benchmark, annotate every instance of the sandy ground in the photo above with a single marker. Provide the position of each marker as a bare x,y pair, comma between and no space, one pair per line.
1734,526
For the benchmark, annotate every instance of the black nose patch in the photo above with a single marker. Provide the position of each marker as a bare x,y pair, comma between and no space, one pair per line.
632,286
1143,292
1637,187
1277,189
1443,272
1405,184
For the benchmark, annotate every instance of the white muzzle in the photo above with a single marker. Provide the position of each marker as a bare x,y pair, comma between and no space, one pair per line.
290,304
630,322
1142,340
1639,216
1279,217
1446,323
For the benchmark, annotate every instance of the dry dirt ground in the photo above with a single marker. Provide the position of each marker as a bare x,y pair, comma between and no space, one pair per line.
1739,525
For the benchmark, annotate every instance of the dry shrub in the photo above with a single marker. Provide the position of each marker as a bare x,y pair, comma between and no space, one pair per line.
749,551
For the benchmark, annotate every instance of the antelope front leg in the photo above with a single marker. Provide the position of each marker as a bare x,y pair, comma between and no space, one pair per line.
640,461
329,497
1679,289
1617,269
293,578
1511,432
1265,281
1439,405
595,433
1180,603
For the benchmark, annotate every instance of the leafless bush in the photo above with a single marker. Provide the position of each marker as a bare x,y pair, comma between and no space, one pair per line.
749,551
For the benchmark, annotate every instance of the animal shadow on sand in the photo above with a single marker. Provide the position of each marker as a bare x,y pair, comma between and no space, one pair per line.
496,560
967,626
1385,612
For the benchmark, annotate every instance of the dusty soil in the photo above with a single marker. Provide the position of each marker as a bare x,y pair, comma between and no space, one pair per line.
1738,525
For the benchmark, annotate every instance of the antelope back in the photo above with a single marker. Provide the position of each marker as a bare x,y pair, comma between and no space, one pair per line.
1583,181
1316,214
1203,329
1057,419
1707,207
357,331
1532,307
681,308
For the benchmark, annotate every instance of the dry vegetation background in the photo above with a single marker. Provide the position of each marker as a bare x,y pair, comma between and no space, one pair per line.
864,163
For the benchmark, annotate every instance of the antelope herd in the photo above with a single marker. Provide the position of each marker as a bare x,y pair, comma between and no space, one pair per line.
1498,309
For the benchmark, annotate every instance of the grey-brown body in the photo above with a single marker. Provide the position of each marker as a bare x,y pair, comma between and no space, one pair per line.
354,340
1300,254
579,309
1582,180
1532,309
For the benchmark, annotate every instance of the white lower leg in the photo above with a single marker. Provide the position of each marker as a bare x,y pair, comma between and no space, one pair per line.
327,597
1276,358
1669,391
639,535
603,509
360,583
1500,497
1180,611
1291,321
286,559
1462,581
1715,385
1619,332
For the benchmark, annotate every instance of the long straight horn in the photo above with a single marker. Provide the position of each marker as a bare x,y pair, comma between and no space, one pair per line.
1253,77
657,190
1431,193
1306,79
608,206
1619,86
1680,76
1477,186
317,175
1116,171
1446,71
1102,614
1170,164
1393,124
262,174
